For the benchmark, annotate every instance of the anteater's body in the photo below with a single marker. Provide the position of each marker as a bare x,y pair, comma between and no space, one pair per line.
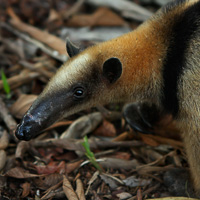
158,62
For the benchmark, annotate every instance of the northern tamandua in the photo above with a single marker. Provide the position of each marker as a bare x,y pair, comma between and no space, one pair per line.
158,62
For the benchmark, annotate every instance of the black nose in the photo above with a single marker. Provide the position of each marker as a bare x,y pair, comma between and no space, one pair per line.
23,132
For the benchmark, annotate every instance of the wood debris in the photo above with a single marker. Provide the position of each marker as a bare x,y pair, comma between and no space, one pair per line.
53,165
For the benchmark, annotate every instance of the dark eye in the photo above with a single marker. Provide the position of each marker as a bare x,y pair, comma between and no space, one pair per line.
79,93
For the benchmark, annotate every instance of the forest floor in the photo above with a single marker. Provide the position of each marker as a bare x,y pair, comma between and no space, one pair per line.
54,165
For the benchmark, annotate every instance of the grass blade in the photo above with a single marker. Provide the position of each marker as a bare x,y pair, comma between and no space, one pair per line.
6,86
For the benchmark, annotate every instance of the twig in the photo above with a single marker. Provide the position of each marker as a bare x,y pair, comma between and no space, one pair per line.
7,118
4,140
74,9
40,45
20,79
73,144
124,6
32,67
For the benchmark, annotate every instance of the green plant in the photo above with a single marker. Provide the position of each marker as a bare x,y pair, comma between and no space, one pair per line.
6,86
90,154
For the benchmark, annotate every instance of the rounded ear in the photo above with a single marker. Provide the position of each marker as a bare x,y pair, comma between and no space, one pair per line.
72,50
112,69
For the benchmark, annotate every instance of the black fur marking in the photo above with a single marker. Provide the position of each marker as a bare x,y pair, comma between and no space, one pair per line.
72,50
112,69
183,31
171,5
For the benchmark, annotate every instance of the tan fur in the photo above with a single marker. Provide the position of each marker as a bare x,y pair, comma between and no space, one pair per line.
189,116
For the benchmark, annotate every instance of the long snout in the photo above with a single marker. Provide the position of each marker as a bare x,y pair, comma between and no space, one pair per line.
43,113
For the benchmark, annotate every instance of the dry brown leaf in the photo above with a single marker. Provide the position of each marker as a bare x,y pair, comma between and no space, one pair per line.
54,16
102,17
106,129
70,167
68,189
54,194
83,125
92,180
145,169
23,103
124,136
122,155
149,141
133,181
50,192
26,189
22,147
124,195
151,154
153,139
44,37
69,156
110,180
52,167
80,190
119,163
4,140
3,158
20,173
58,124
48,181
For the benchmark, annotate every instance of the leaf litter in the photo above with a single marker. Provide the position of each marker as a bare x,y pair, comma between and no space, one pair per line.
54,165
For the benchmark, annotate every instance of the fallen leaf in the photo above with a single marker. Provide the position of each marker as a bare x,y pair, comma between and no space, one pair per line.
51,168
145,169
70,167
68,189
92,180
3,159
51,192
4,140
80,190
43,36
48,181
22,148
23,103
122,155
132,181
58,124
102,17
26,189
68,156
155,140
106,129
20,173
124,195
112,181
118,163
83,125
149,141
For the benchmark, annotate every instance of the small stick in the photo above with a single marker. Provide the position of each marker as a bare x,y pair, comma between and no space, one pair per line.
43,47
32,67
73,10
7,118
20,79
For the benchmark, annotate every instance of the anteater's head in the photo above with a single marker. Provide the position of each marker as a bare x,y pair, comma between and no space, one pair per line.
86,80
